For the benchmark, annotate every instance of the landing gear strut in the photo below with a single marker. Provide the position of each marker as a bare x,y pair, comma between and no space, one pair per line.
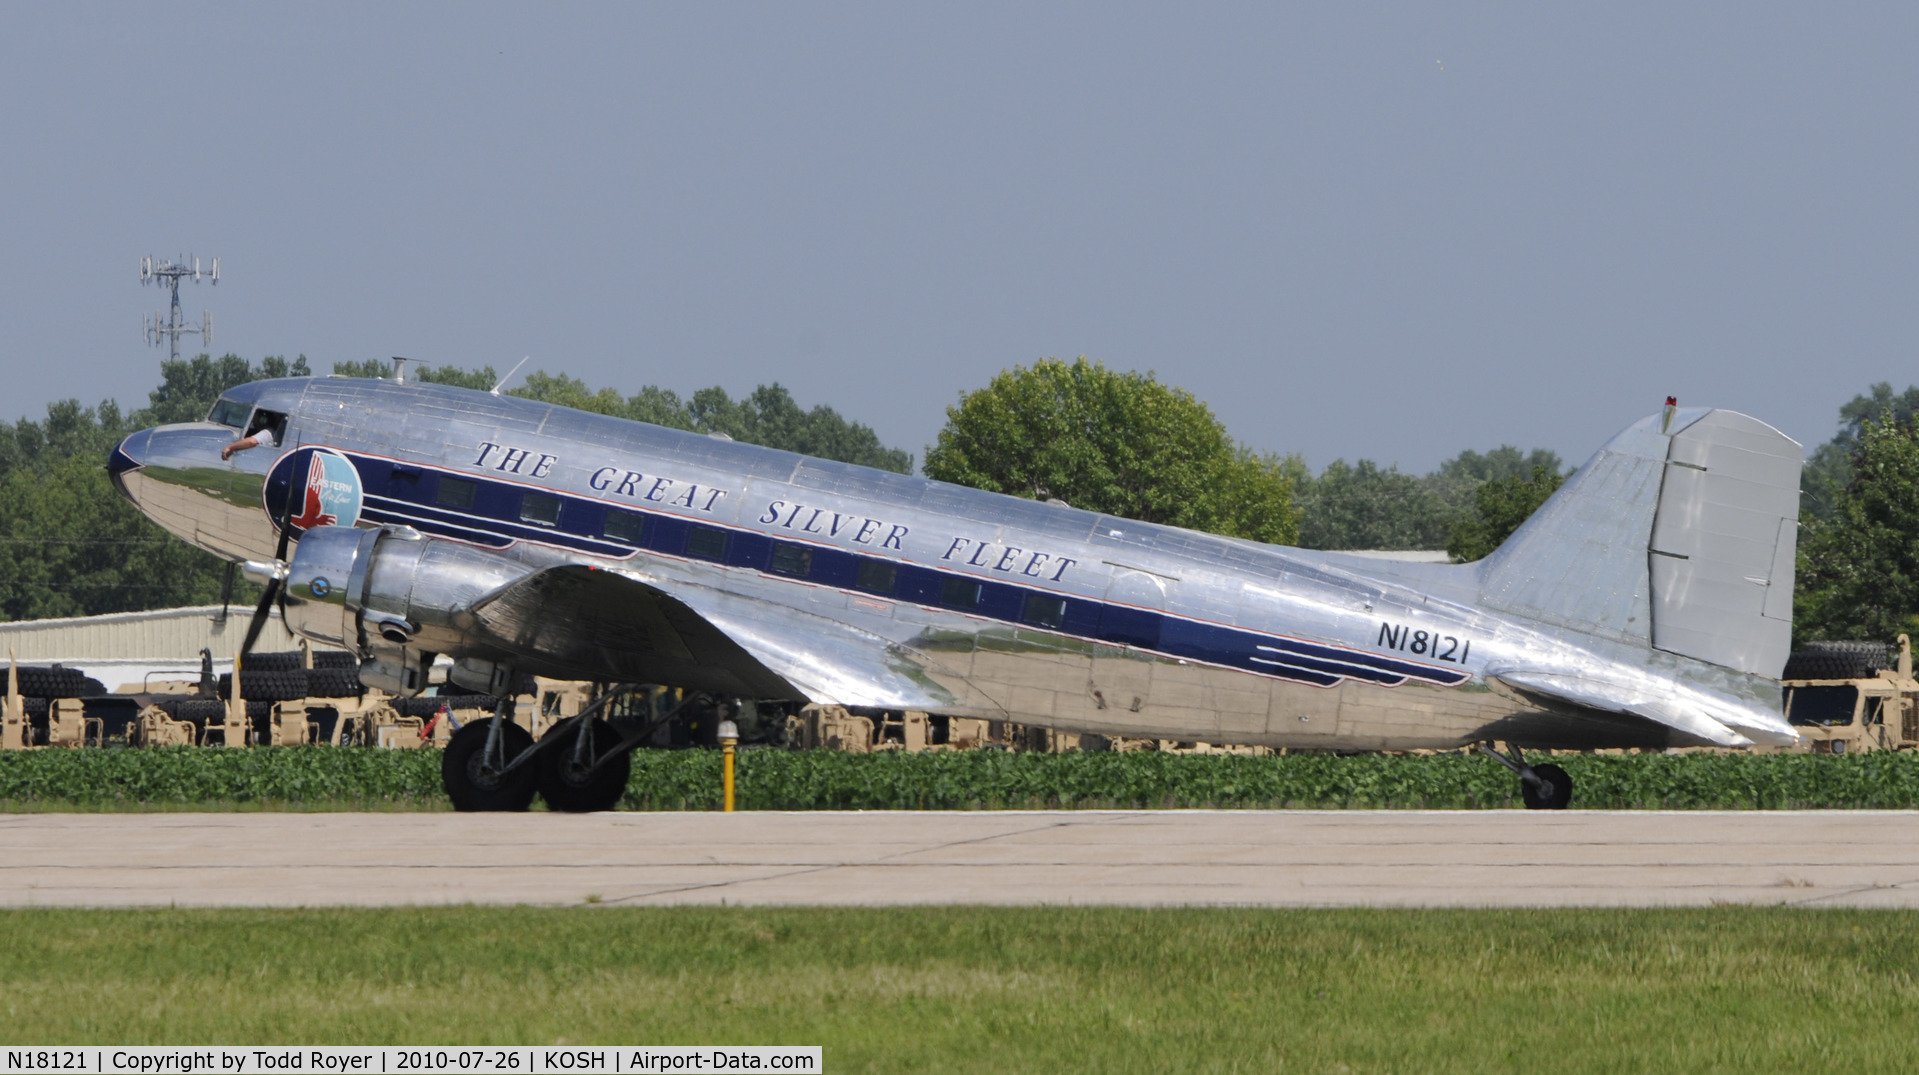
1543,787
587,769
582,764
482,768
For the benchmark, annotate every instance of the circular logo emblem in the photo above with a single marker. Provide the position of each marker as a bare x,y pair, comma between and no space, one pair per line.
320,587
327,494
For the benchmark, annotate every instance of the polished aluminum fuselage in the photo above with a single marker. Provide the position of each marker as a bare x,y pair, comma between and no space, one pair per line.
1165,632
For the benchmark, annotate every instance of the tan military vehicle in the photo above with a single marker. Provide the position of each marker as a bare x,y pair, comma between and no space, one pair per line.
1841,699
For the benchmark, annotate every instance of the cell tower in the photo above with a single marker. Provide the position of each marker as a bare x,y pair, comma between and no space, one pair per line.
170,326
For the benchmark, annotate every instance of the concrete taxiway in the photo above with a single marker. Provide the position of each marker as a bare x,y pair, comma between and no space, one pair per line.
1142,858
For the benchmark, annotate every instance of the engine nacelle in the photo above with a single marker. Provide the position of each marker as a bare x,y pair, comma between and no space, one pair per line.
392,595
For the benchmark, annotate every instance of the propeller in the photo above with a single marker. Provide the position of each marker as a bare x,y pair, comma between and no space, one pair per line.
273,575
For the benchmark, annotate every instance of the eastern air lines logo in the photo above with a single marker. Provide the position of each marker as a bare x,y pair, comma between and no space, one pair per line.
331,495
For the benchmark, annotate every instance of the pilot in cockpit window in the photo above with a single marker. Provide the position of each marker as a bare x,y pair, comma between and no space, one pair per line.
266,428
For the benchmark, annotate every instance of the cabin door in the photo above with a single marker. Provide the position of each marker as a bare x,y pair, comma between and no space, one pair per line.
1129,627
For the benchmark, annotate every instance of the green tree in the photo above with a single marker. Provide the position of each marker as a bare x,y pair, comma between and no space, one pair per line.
1824,480
189,387
1360,506
768,417
70,545
1500,505
482,379
1859,566
1120,443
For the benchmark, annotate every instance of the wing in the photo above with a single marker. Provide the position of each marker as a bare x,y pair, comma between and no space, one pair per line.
579,622
582,622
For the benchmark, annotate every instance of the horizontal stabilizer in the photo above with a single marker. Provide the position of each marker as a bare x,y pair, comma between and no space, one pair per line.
1703,715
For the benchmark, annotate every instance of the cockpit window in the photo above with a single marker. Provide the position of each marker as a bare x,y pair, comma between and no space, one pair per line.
230,412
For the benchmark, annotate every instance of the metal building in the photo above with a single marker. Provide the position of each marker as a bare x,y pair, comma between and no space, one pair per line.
124,649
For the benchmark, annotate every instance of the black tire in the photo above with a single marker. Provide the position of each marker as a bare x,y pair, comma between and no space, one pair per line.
291,660
334,683
569,791
424,705
1838,660
57,682
267,686
472,789
1554,792
333,660
200,712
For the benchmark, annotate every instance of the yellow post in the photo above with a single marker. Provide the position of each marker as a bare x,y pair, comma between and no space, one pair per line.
235,729
729,739
13,712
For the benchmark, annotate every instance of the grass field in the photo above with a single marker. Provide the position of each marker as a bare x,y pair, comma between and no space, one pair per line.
1003,990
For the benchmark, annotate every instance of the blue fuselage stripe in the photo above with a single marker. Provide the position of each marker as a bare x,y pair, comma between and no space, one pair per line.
404,495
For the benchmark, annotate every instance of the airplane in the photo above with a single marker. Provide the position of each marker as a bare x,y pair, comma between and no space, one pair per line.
1648,603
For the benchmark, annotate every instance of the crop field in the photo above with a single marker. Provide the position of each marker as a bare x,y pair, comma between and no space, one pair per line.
323,778
977,989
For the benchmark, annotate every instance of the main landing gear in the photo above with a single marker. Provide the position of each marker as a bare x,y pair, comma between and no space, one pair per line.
581,765
1543,787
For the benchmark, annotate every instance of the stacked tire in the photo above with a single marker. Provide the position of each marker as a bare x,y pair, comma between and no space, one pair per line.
54,681
40,684
1838,660
263,685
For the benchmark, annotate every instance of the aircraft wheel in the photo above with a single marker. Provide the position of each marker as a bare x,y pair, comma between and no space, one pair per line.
568,786
473,785
1554,791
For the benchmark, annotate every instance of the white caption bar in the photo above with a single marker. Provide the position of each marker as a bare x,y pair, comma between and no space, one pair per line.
404,1060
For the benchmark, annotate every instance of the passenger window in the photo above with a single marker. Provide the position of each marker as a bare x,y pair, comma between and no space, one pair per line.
878,576
229,412
706,543
960,593
623,525
1044,611
540,508
456,493
794,560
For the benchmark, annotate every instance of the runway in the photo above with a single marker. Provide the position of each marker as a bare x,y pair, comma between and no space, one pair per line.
1137,858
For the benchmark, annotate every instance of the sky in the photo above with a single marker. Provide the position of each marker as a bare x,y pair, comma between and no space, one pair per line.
1356,230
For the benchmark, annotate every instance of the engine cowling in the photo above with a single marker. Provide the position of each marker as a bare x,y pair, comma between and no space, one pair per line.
393,595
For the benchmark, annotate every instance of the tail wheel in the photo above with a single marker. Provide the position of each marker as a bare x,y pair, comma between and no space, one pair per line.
1553,792
474,782
569,782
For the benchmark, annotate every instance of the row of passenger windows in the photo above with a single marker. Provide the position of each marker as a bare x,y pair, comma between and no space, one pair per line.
793,561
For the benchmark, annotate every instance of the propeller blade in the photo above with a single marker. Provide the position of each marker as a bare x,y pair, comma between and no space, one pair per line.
260,616
273,590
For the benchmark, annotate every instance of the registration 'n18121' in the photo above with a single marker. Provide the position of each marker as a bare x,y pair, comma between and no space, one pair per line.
1422,643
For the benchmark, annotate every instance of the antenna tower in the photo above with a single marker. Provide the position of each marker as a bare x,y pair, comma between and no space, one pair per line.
171,326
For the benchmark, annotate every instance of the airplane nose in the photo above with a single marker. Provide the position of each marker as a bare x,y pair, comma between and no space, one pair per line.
128,455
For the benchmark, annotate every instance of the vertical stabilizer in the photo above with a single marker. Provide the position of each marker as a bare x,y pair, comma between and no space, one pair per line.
1723,541
1679,535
